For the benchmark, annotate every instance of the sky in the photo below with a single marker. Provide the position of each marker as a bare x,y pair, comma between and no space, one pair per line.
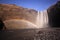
38,5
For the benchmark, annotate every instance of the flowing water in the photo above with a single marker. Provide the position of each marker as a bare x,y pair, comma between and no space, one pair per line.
45,18
42,19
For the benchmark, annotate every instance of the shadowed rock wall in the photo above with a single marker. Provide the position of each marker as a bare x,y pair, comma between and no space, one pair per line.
54,15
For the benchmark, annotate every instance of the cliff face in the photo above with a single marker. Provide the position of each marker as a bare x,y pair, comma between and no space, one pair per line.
11,11
15,17
54,15
15,12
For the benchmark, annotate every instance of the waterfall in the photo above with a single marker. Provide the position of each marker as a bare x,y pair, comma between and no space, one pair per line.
42,19
45,18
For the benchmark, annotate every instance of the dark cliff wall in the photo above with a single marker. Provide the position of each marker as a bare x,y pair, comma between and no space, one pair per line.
54,15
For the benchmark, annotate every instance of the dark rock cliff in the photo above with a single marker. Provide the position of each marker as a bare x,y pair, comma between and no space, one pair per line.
54,15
